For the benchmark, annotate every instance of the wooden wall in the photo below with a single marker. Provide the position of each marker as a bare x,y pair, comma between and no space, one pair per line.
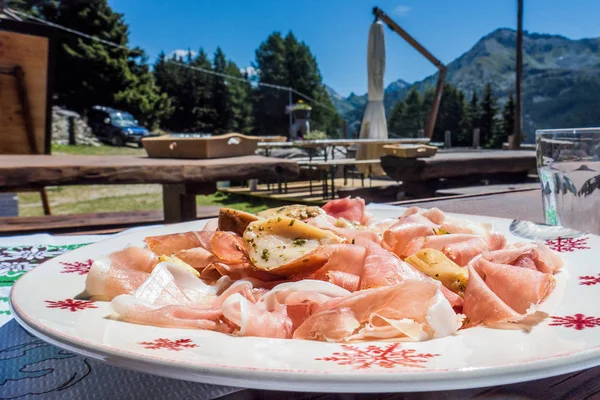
31,53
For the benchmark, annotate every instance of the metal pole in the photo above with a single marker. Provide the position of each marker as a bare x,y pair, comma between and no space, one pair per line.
290,103
516,139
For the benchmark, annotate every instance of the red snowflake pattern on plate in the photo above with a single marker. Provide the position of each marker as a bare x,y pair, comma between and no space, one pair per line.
577,321
564,245
589,280
70,304
175,345
77,267
385,357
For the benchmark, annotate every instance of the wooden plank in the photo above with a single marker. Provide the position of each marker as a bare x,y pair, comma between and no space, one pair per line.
90,222
459,164
471,190
179,200
42,170
523,204
31,53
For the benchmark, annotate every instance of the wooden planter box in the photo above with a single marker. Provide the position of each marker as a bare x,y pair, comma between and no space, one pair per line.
409,151
228,145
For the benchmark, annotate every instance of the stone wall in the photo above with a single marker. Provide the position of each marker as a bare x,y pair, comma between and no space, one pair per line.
60,128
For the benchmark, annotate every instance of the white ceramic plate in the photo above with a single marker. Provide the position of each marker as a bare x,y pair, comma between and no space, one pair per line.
569,340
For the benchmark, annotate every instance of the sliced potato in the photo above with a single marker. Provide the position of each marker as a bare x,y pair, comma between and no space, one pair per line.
435,264
178,261
297,211
234,220
284,245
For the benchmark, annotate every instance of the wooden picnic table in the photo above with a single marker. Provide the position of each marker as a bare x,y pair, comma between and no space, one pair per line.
181,179
422,176
313,145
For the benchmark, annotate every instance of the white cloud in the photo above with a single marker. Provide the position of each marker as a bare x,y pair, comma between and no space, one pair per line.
251,71
401,11
182,53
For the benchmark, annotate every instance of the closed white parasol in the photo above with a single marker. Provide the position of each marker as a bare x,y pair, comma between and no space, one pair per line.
374,125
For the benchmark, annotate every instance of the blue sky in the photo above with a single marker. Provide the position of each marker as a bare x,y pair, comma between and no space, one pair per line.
337,30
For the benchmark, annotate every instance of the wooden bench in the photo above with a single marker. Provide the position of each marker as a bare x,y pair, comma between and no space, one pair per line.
95,223
422,177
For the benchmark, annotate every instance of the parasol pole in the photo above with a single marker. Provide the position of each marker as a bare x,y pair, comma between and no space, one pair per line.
518,124
379,14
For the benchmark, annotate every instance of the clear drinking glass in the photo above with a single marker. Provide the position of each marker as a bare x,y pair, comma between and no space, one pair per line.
568,163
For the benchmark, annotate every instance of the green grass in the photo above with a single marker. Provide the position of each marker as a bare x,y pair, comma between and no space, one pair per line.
100,150
94,199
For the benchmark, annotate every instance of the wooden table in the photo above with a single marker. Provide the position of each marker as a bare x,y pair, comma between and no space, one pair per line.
329,168
523,204
421,176
181,179
313,145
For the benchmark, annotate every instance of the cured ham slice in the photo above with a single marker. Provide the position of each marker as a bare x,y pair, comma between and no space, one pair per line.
527,255
198,257
411,309
134,258
105,281
172,243
355,233
383,268
445,223
398,236
350,209
299,299
254,321
344,267
236,271
499,293
172,297
460,247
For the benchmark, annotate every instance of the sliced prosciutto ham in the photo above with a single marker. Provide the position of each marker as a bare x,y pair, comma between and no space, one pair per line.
352,210
460,247
329,274
412,309
134,258
528,255
499,293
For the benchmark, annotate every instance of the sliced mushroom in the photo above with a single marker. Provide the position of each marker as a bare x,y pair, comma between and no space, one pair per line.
297,211
234,220
435,264
285,246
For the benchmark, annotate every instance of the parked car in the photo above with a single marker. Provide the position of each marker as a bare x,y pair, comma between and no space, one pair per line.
115,126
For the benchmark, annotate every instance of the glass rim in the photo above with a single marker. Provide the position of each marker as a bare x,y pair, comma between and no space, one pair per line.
540,132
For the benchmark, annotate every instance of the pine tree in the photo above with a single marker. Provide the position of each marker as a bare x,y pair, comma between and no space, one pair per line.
239,97
507,125
473,117
450,114
488,120
288,62
397,116
143,98
224,118
199,85
270,103
93,73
